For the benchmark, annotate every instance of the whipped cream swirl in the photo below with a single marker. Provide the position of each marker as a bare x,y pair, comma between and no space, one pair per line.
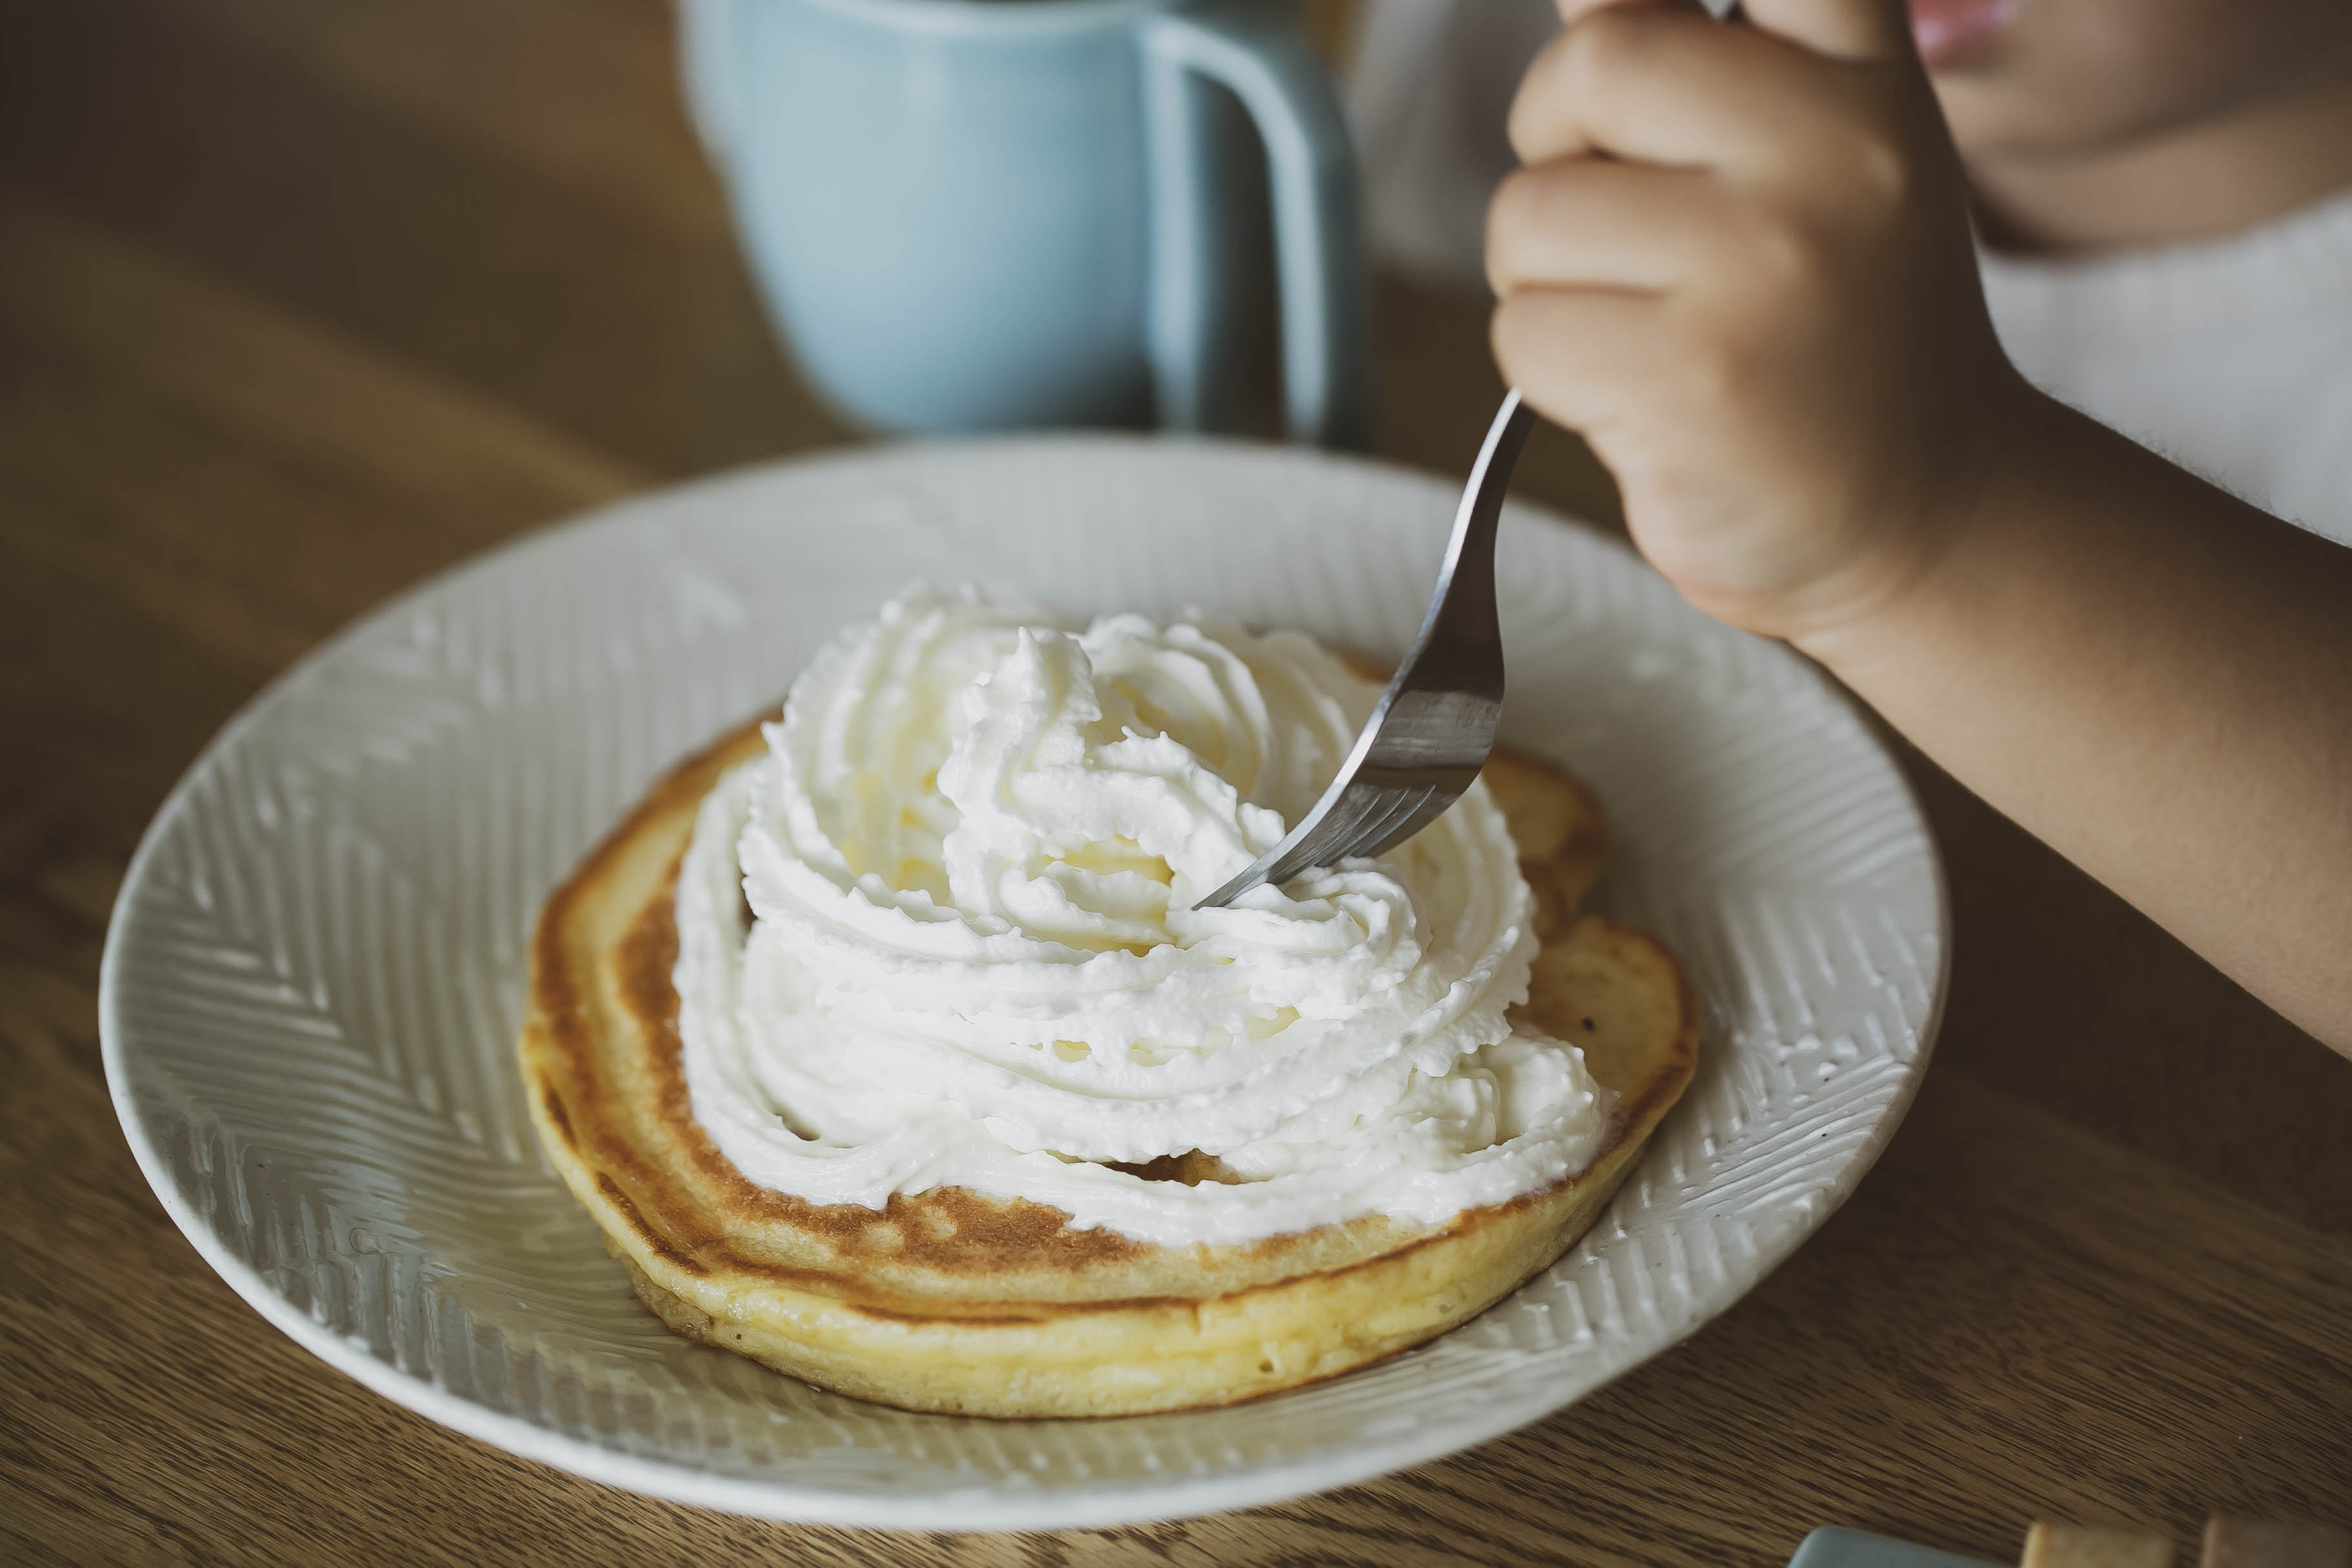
942,934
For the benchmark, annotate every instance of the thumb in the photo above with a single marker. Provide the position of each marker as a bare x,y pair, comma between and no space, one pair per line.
1842,29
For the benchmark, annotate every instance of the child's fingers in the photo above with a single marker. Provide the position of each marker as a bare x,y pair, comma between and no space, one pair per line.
1842,29
1577,354
1598,222
1660,86
1602,86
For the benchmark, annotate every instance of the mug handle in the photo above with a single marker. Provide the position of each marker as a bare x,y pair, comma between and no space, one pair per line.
1319,240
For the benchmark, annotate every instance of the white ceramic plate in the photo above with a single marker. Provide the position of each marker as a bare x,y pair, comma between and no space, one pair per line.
317,965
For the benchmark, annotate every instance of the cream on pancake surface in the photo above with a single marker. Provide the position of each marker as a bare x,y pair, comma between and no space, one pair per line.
941,935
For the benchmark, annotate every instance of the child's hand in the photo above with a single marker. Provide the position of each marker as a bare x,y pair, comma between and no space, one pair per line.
1738,262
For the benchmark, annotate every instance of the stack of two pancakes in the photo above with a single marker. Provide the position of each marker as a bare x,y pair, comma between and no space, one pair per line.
955,1301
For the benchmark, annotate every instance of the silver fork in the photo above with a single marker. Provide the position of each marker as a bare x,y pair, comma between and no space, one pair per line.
1435,723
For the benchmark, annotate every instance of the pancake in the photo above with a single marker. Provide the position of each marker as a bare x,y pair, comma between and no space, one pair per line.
959,1301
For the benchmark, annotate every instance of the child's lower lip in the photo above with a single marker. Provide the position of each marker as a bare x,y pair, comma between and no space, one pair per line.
1954,34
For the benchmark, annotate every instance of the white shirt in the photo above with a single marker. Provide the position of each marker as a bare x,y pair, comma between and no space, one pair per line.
2232,357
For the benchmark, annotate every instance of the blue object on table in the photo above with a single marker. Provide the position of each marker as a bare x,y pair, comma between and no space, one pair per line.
1837,1547
971,217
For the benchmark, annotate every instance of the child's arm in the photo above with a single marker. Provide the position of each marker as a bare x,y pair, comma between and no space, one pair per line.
1739,261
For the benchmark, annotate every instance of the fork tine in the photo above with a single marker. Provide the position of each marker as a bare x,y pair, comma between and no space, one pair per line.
1397,808
1427,805
1342,825
1363,822
1331,822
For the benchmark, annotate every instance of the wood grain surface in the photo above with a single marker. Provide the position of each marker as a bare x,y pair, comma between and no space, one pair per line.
302,299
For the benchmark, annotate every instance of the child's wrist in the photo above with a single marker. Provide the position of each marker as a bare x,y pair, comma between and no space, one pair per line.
1992,467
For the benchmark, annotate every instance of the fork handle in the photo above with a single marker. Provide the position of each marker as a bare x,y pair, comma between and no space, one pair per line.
1464,604
1449,684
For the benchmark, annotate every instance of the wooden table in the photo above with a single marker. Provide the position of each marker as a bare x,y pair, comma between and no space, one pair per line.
301,300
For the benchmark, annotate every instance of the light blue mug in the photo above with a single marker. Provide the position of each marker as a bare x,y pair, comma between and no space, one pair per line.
972,215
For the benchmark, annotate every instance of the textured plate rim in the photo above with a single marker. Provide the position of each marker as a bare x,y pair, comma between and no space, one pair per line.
977,1508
